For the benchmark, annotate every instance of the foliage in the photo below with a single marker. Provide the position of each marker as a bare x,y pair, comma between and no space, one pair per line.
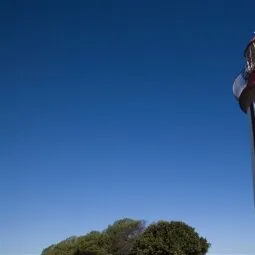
67,247
94,243
130,237
122,235
204,245
48,250
173,238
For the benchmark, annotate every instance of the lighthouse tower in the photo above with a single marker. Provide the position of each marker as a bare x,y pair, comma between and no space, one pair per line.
244,92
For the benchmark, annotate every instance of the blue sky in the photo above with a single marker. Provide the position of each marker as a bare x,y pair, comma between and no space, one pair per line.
114,109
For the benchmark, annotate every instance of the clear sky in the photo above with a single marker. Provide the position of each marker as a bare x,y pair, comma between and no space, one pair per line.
114,109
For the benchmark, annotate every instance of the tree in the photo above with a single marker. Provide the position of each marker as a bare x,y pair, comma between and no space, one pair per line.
122,234
204,245
65,247
170,238
94,243
48,250
130,237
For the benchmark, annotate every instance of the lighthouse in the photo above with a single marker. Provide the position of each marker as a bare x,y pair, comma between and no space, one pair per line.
244,92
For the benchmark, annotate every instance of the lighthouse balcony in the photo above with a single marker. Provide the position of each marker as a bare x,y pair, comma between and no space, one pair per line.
240,84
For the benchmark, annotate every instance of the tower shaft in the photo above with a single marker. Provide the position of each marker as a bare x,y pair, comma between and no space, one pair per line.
251,116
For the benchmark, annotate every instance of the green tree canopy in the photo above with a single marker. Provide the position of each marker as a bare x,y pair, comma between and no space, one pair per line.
94,243
65,247
122,234
130,237
172,238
